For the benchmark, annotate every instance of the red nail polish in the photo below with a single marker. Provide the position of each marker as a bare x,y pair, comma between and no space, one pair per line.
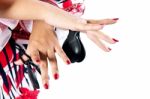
109,49
68,62
115,40
37,60
46,86
116,19
56,76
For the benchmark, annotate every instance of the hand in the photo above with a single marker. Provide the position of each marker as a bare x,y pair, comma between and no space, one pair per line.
43,44
98,36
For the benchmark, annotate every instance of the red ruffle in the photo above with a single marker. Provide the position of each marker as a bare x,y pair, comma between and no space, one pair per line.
75,8
67,4
28,94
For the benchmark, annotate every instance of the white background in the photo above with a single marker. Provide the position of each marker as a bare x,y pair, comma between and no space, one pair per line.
124,73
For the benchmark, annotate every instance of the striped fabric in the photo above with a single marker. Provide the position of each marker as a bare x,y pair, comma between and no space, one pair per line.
13,78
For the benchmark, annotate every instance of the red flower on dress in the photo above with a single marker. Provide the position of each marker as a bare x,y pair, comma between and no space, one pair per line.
28,94
67,4
75,8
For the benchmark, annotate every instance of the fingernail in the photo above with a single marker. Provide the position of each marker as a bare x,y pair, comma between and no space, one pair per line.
37,60
109,49
68,62
46,86
56,76
116,19
115,40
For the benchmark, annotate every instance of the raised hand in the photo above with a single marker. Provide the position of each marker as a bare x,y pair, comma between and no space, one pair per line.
43,45
97,36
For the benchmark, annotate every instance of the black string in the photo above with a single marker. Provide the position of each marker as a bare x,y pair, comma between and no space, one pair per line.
30,66
29,61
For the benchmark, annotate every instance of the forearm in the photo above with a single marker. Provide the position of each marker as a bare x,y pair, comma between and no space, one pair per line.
22,9
37,10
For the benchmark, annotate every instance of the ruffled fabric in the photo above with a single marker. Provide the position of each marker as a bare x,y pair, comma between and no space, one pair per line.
28,94
76,9
20,32
5,33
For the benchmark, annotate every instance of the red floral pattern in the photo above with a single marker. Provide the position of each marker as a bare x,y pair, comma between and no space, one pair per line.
75,8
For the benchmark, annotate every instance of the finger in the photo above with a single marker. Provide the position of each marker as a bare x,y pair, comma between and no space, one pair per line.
104,37
99,43
44,71
62,54
53,62
86,27
104,21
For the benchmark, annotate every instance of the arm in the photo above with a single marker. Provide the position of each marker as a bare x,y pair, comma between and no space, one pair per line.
38,10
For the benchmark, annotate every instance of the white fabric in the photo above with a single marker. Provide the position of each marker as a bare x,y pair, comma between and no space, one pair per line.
4,38
8,22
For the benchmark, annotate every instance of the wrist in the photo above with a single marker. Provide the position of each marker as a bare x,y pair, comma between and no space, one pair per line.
42,26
